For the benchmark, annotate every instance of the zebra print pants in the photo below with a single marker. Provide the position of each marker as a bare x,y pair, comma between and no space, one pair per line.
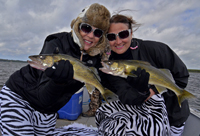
18,118
149,119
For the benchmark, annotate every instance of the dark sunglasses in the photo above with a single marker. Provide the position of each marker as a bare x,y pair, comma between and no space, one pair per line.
122,35
86,28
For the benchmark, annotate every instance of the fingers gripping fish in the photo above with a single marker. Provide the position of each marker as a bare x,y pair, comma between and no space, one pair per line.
161,78
82,73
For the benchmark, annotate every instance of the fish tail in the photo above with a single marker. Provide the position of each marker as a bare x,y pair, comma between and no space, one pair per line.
105,98
184,95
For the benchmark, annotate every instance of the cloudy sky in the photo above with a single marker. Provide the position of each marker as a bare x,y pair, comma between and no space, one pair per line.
24,24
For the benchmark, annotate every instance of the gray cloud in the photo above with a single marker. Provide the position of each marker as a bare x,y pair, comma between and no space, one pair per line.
25,24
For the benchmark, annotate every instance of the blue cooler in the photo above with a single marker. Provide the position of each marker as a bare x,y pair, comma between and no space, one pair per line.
73,108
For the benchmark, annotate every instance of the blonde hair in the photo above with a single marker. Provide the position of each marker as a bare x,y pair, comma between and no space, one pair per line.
98,16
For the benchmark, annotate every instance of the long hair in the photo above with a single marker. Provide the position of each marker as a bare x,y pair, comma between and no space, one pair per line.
120,18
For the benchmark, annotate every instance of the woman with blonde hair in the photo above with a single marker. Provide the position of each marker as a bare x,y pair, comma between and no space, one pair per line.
30,98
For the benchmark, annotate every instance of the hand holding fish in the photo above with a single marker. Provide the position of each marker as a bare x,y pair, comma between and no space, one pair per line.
161,78
141,81
81,72
60,72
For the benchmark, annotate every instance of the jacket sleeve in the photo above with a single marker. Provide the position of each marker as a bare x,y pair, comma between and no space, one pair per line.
165,57
125,92
52,46
48,96
53,96
40,91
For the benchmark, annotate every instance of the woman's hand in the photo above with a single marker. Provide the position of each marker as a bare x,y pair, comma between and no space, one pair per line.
141,81
60,73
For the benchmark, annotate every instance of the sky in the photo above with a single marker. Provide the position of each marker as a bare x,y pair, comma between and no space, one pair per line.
24,24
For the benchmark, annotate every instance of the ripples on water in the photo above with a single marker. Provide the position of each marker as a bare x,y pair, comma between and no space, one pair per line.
7,68
194,87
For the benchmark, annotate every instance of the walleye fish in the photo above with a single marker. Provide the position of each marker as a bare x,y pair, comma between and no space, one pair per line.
161,78
82,73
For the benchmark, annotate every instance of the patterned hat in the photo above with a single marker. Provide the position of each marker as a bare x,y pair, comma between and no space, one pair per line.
98,16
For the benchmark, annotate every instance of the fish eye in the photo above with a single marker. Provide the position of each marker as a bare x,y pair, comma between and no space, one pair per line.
42,57
110,62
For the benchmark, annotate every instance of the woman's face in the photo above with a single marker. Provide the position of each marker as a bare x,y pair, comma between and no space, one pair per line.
119,46
89,39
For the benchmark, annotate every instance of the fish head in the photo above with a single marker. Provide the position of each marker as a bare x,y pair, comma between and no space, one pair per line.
112,67
41,62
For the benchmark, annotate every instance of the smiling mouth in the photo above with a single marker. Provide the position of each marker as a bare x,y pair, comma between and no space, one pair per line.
88,42
119,47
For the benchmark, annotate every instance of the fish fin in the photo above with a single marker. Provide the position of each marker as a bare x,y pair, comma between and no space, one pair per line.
131,75
109,93
105,97
90,88
184,95
139,61
168,74
160,89
94,70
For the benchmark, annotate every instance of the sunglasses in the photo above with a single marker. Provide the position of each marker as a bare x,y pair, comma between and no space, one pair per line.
122,35
86,28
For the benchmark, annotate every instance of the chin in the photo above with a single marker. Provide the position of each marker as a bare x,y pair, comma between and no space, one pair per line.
119,51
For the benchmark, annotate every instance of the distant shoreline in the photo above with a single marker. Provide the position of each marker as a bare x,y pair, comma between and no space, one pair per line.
190,70
194,70
12,60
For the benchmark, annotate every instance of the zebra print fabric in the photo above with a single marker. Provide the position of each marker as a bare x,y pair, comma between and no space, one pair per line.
177,131
19,118
149,119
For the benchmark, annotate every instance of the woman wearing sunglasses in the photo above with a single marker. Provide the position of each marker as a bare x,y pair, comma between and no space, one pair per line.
31,98
141,110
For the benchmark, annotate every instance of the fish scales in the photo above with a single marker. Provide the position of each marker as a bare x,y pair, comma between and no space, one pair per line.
161,78
82,73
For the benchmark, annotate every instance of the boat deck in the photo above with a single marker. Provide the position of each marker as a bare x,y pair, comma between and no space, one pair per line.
191,127
89,121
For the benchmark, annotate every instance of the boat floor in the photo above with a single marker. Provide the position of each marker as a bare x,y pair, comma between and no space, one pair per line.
192,126
89,121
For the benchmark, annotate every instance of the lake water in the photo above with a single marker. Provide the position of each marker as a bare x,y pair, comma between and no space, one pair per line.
7,68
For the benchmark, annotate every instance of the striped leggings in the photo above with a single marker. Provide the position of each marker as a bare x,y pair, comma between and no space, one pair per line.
18,118
149,119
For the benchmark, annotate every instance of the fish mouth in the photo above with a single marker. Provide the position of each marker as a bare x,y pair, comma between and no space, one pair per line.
113,71
106,69
36,63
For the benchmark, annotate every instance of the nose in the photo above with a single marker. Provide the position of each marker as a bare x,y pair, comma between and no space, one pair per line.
91,34
118,40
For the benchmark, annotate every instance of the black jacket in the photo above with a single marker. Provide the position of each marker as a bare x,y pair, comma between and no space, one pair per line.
158,55
39,90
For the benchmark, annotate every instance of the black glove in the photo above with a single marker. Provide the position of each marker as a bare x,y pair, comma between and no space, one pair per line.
61,72
140,82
